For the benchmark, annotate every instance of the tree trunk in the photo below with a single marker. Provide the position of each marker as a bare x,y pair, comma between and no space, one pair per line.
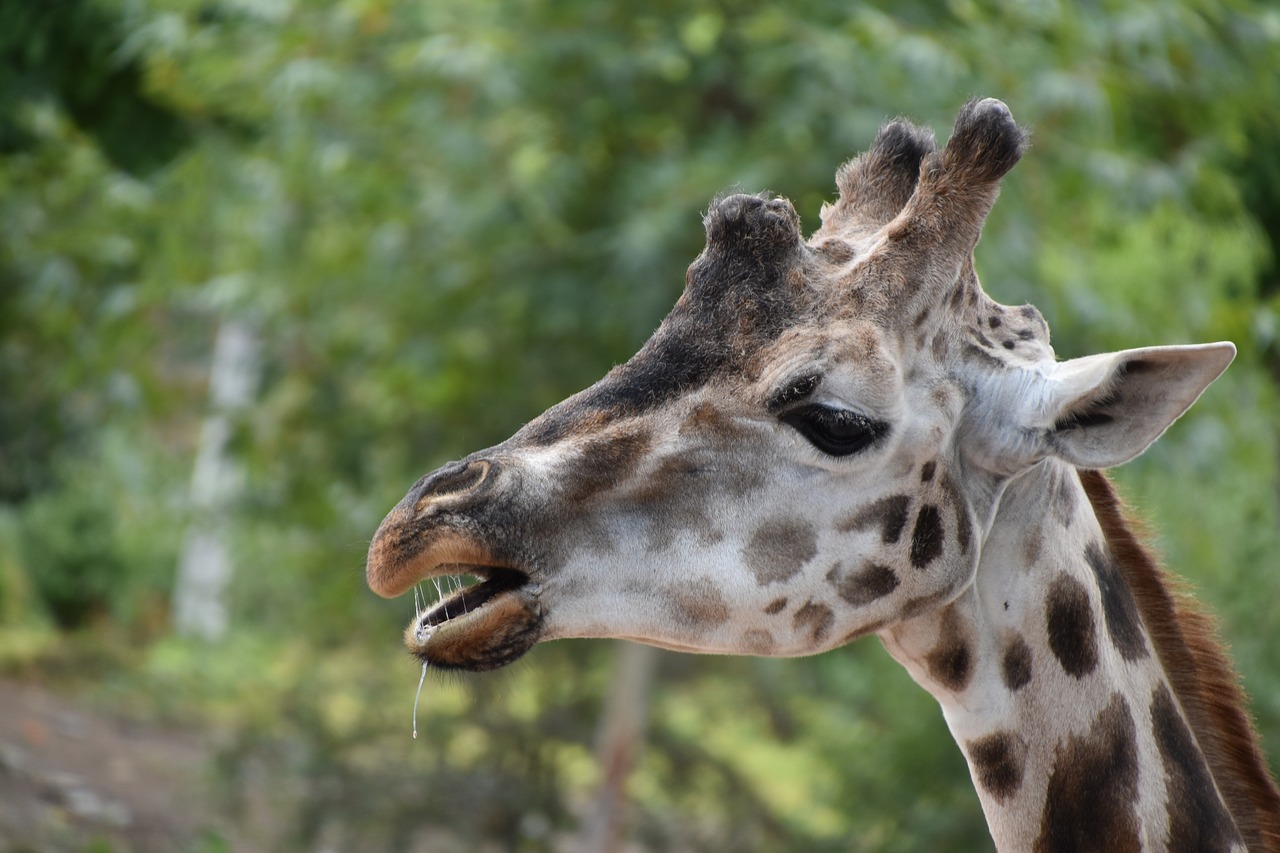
205,567
619,739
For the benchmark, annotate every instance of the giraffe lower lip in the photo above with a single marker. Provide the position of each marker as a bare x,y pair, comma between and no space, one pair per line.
482,627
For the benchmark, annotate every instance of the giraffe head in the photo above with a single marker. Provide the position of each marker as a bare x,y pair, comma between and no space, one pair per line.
809,447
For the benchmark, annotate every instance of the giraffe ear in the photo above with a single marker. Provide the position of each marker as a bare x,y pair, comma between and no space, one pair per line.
1104,410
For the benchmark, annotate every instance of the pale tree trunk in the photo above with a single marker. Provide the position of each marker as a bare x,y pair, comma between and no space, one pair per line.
205,568
619,739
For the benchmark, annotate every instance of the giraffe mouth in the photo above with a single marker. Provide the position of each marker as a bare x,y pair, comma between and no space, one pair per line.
483,626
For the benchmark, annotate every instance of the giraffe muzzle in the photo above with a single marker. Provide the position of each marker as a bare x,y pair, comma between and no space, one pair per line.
435,533
483,626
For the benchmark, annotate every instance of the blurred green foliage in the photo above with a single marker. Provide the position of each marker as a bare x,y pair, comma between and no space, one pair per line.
445,216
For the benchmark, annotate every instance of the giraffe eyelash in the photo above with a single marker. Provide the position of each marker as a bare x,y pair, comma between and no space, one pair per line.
792,392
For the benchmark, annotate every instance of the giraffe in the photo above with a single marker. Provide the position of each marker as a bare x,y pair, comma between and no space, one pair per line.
846,436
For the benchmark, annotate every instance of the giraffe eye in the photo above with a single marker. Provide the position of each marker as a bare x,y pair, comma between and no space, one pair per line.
836,432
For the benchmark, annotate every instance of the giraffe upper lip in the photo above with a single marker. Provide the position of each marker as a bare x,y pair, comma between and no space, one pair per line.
494,581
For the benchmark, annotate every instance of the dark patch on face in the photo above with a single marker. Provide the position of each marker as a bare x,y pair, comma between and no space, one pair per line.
927,470
1198,819
1124,625
951,662
672,363
698,605
674,498
873,582
816,618
779,548
1008,343
1069,620
890,514
1093,791
602,463
1015,664
993,321
1026,335
998,762
964,526
706,419
776,606
926,539
758,642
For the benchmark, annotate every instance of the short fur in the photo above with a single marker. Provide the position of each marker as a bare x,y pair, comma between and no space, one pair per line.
1202,676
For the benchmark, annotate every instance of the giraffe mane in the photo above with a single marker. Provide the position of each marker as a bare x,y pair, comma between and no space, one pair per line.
1202,677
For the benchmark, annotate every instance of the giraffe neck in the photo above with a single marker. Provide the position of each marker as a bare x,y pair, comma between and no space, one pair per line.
1076,736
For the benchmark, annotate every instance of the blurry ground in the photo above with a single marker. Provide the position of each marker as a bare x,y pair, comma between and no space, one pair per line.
77,778
72,777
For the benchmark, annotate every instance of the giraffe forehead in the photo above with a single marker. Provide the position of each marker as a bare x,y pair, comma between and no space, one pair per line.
853,361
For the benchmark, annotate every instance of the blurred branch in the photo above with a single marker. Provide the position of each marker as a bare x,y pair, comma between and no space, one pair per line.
620,739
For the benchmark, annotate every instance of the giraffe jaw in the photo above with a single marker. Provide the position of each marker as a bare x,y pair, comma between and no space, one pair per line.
484,626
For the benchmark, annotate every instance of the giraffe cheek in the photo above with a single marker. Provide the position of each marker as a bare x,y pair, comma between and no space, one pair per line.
935,584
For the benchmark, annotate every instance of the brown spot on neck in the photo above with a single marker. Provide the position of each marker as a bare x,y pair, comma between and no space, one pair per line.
998,761
1070,626
1089,804
1015,664
951,660
1198,819
1118,609
1200,674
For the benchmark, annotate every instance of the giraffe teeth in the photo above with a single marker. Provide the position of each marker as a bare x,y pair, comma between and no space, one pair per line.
466,599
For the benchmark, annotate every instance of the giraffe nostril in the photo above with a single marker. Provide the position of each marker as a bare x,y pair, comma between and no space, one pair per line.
453,481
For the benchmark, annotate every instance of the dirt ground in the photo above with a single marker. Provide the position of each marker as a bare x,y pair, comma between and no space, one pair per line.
72,778
75,777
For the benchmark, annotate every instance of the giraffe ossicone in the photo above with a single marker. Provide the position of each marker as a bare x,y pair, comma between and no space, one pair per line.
846,436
